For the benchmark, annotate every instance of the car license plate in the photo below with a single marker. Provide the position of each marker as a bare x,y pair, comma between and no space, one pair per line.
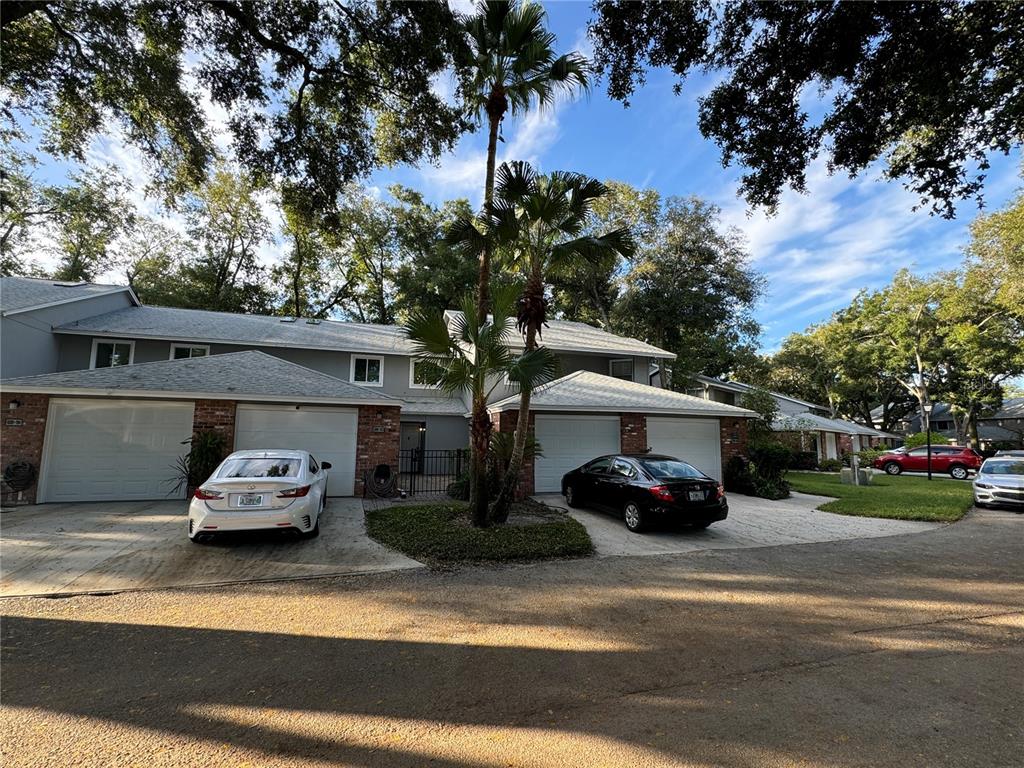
696,495
250,500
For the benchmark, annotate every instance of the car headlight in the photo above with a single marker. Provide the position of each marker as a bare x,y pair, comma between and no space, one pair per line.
982,485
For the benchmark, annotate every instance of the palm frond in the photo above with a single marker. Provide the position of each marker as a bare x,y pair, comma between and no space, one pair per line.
533,369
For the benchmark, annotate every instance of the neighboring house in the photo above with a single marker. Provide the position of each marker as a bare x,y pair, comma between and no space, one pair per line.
1006,425
813,427
108,391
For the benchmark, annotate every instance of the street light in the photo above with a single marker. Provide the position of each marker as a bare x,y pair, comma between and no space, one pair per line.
927,408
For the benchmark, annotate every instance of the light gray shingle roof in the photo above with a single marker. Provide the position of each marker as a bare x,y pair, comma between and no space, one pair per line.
18,294
568,336
739,386
249,375
804,422
228,328
594,392
440,406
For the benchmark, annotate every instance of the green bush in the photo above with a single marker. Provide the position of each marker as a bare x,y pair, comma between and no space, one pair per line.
919,439
830,465
804,460
763,475
206,451
868,455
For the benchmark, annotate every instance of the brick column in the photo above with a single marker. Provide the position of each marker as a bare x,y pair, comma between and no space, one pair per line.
21,438
734,438
633,433
505,421
377,440
216,416
845,444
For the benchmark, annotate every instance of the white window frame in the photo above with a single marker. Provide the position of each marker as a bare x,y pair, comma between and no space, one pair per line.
352,371
412,377
96,342
182,345
632,367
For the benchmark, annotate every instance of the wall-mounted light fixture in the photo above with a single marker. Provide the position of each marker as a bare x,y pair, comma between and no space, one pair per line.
14,405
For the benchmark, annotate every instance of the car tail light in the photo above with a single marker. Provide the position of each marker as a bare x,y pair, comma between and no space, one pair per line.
208,495
720,491
661,493
294,493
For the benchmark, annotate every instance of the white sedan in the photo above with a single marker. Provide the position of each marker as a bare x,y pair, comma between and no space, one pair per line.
257,490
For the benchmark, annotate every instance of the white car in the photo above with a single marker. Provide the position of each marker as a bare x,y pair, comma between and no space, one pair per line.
1000,481
256,490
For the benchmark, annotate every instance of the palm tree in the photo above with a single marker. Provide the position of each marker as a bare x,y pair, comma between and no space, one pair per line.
474,354
540,223
512,66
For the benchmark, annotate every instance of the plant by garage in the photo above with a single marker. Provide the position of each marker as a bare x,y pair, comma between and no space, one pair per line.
206,451
764,474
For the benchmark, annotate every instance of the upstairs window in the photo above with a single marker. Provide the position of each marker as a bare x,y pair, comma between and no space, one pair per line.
621,369
419,377
185,351
368,371
110,353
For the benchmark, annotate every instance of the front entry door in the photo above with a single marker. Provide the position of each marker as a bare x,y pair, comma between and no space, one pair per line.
411,437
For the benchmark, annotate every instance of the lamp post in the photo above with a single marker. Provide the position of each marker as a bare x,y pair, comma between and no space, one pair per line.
927,408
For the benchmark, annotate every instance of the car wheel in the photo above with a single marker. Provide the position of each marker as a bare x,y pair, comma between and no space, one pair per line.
958,472
892,468
570,496
634,517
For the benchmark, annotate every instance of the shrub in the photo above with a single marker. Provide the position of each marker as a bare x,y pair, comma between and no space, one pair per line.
868,455
762,476
921,438
737,477
206,451
830,465
771,461
804,460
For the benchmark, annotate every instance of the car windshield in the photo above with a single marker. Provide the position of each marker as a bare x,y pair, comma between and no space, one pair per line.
669,469
261,468
1003,468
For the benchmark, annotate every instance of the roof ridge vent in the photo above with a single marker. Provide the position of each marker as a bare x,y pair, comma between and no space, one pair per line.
79,284
312,321
288,319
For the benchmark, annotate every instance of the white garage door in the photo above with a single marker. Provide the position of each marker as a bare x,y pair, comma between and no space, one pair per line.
113,450
568,442
695,441
327,433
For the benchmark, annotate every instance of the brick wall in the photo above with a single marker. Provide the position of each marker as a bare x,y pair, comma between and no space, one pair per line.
377,440
505,421
24,441
734,439
633,433
845,443
216,416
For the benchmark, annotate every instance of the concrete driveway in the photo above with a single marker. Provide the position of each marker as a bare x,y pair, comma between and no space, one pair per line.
107,547
751,523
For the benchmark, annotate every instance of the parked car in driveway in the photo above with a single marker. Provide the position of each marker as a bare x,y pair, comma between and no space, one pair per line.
957,460
1000,481
644,487
256,490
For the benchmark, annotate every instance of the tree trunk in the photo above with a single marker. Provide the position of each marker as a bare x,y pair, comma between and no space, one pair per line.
510,481
480,423
483,298
480,438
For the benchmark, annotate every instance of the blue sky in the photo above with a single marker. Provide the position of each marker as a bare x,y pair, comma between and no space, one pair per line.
816,252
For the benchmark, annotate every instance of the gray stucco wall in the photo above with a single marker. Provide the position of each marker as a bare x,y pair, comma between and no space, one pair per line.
443,432
28,345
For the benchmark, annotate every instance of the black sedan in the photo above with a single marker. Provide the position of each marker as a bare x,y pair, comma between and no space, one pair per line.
646,487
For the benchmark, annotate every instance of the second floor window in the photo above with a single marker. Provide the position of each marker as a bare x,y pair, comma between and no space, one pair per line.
107,353
418,375
368,371
621,369
183,351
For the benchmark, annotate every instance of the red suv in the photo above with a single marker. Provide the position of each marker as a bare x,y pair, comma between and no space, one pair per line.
954,459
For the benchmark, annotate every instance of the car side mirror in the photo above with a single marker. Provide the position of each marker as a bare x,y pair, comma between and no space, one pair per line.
325,465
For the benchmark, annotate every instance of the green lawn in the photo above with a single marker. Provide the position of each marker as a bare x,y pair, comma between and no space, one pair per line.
900,498
441,534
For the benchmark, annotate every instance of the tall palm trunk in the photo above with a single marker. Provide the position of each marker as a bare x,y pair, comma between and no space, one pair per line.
534,294
480,423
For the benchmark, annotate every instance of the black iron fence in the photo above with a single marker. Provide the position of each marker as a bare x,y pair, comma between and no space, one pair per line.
430,472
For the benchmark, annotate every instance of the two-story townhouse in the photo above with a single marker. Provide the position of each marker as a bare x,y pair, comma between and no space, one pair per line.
109,410
815,429
1002,427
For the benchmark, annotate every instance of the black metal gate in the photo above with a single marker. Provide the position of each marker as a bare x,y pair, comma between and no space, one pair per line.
430,472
